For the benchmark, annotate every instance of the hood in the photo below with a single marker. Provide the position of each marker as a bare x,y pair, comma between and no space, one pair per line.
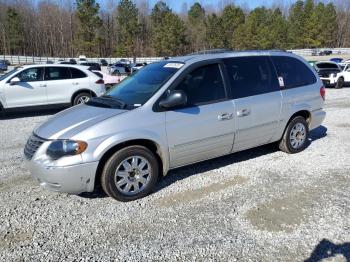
72,121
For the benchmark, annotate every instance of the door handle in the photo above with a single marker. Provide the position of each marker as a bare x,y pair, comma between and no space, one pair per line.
225,116
75,83
243,112
43,85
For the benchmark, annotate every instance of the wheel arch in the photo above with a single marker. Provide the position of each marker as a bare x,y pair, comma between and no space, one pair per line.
149,144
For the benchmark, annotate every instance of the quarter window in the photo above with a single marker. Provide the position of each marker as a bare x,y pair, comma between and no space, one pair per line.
294,72
249,76
203,85
31,75
57,73
76,73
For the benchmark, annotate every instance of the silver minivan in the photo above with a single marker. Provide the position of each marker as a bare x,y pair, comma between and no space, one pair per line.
174,113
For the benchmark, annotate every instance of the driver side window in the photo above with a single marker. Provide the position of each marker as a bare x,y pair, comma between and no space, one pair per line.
31,75
203,85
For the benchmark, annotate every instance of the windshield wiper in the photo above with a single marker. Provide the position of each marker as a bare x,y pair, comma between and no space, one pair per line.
118,100
106,101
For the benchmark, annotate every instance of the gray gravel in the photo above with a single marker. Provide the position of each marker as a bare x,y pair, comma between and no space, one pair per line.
257,205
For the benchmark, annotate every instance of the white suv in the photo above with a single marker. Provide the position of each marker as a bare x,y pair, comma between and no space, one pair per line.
38,85
343,78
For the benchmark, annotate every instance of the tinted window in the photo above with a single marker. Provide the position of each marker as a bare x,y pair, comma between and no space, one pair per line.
76,73
57,73
203,85
249,76
31,75
140,86
294,72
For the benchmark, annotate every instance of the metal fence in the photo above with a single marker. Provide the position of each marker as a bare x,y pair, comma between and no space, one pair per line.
21,60
310,52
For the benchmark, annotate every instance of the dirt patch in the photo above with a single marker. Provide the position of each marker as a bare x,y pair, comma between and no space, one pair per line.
286,213
344,125
14,238
195,195
8,184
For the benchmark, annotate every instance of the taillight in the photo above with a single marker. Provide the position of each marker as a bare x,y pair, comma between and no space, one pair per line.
323,92
100,81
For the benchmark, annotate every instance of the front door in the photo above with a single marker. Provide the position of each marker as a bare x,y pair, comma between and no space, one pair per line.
205,127
30,91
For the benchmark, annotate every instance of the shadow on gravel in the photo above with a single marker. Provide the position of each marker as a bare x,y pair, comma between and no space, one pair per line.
22,113
202,167
326,249
318,133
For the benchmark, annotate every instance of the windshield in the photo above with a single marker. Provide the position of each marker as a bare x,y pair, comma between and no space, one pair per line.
135,90
8,74
327,65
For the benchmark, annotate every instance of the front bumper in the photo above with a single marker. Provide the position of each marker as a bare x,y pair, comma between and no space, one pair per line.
73,179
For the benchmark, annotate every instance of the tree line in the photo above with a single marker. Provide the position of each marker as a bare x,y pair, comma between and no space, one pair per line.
126,28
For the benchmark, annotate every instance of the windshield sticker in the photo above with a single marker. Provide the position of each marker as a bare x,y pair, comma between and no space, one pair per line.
137,105
281,81
174,65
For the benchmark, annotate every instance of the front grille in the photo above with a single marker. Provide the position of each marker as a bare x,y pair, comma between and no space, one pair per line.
33,144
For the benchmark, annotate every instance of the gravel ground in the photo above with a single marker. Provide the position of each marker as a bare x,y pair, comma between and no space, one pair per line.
256,205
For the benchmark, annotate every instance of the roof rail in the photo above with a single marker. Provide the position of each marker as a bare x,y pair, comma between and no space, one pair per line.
212,51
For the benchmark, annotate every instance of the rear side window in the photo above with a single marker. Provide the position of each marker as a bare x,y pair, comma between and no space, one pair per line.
294,72
76,73
57,73
203,85
249,76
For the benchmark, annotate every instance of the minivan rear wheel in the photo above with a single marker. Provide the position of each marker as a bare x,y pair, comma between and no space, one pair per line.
295,137
130,173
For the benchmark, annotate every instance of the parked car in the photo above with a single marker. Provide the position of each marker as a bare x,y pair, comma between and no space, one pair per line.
8,62
91,65
40,85
325,52
328,71
73,61
174,113
137,66
109,80
3,66
343,78
103,62
336,60
49,62
119,69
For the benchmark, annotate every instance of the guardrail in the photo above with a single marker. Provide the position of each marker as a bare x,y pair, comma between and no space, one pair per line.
310,52
20,60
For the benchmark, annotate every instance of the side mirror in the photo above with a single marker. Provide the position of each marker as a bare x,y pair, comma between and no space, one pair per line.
174,99
14,81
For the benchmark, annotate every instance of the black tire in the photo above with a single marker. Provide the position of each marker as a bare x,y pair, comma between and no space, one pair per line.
340,83
77,99
108,176
286,145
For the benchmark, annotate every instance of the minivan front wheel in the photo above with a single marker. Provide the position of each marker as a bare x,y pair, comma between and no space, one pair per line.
295,137
131,173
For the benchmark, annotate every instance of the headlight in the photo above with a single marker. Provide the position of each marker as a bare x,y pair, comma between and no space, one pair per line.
334,75
60,148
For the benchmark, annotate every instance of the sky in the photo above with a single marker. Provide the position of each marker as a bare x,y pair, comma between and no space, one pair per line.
177,5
